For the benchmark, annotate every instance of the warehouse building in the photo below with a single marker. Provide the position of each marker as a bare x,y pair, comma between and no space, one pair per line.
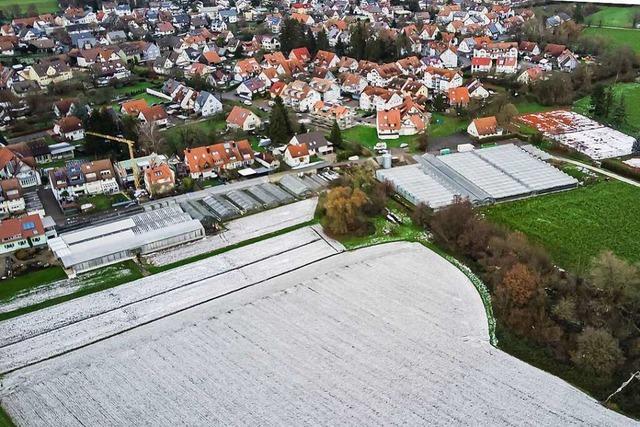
97,246
482,176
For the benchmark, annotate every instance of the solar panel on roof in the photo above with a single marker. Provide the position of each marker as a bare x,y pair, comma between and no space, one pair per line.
30,225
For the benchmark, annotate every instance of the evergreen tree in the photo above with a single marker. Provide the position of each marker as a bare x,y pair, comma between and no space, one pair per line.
336,136
619,113
292,35
302,128
402,45
598,101
359,39
578,15
340,49
311,42
439,103
279,123
322,42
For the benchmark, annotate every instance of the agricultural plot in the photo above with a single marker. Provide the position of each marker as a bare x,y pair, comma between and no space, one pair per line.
245,228
391,334
575,226
64,327
11,7
613,16
616,36
580,133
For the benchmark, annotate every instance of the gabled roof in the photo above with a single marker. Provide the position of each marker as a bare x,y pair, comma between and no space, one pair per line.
486,125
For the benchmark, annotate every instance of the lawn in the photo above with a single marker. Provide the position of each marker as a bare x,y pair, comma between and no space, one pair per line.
42,6
368,137
217,124
103,202
11,287
613,16
442,125
616,37
135,87
528,107
631,93
576,225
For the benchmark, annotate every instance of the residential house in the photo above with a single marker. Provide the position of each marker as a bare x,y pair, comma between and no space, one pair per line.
530,75
440,80
206,104
15,165
296,155
567,61
300,54
316,143
484,127
459,97
79,179
329,90
206,162
300,96
481,64
20,233
388,123
477,90
242,118
11,200
326,59
70,128
159,179
506,65
251,87
353,84
154,114
134,106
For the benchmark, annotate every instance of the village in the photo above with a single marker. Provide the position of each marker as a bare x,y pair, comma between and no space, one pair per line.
140,137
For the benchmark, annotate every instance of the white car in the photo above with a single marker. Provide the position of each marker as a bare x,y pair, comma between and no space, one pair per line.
404,145
247,102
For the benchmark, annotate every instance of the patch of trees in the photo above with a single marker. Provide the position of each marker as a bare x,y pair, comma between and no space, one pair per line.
380,47
590,320
605,106
350,205
557,89
292,35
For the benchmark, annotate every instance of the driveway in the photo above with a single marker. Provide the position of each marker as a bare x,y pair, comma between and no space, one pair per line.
451,142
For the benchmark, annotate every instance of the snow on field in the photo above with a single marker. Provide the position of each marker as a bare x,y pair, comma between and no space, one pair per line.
50,331
581,133
62,287
391,334
634,163
241,229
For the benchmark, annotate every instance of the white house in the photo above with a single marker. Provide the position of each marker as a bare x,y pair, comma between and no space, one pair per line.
484,127
207,105
296,155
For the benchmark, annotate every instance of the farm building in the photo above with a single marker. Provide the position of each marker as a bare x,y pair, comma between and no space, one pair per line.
581,134
96,246
483,176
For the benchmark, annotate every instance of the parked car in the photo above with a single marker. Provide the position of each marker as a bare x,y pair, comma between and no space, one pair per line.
247,102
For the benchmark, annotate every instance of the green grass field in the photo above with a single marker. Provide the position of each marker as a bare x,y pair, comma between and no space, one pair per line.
442,125
16,285
617,37
631,93
613,16
528,107
368,137
576,225
42,6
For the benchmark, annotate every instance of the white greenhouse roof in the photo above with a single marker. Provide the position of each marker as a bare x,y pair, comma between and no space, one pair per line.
483,176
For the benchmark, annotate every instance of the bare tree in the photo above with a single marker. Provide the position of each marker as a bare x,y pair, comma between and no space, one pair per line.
150,139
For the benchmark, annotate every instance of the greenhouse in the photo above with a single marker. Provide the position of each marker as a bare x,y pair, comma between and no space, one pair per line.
482,176
97,246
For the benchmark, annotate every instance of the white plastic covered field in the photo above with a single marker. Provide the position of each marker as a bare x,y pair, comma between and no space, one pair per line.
388,335
241,229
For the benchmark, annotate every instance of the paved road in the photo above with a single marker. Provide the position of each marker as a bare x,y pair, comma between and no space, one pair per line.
599,170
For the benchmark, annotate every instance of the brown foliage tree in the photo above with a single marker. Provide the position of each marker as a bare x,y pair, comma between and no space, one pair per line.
421,215
343,210
519,285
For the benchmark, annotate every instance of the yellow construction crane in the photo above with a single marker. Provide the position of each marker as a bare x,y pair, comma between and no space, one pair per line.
130,143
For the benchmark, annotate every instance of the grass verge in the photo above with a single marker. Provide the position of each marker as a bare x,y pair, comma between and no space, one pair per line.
11,287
